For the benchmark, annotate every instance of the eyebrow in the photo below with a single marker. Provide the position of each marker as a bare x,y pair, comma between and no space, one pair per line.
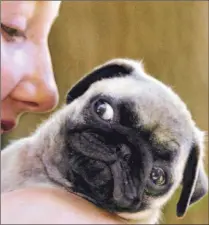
159,150
164,153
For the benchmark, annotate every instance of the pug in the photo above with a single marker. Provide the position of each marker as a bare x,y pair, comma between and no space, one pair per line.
124,141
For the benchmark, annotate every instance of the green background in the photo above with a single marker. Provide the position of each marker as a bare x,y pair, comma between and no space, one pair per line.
171,38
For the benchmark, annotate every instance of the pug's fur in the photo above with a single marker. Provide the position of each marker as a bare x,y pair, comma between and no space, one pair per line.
118,126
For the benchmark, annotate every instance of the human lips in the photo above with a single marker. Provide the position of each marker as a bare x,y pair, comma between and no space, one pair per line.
7,125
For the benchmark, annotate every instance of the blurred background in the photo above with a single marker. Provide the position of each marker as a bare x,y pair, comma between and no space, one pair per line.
170,36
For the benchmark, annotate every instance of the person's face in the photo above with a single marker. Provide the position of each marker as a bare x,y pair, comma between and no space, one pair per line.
27,79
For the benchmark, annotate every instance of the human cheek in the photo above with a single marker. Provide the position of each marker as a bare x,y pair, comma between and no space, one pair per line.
13,66
9,78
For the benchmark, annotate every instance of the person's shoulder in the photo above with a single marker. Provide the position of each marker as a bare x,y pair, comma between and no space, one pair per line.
50,205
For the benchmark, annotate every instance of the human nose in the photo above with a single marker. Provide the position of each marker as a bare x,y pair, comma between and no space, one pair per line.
37,91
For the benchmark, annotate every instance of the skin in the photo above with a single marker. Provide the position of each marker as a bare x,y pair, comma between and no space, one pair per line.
28,85
50,206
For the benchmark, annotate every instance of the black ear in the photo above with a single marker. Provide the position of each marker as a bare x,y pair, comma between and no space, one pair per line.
106,71
195,181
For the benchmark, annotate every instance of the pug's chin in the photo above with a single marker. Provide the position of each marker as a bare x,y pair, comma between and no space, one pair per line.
147,216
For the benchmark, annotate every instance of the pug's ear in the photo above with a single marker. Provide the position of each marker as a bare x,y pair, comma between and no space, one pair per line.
195,180
113,68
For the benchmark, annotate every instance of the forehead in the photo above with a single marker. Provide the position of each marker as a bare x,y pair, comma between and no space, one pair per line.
159,110
23,11
24,8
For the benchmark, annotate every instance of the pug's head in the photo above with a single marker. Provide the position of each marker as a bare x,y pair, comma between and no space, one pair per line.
128,142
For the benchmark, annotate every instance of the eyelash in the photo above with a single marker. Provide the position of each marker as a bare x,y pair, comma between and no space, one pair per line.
12,34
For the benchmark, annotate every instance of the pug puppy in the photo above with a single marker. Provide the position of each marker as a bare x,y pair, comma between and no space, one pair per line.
124,141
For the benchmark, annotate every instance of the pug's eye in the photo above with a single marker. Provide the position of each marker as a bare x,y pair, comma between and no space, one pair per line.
158,176
104,110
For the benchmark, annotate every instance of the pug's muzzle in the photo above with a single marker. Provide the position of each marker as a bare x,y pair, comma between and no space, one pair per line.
107,165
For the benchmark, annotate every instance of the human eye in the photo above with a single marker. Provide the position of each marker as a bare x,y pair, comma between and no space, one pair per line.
12,34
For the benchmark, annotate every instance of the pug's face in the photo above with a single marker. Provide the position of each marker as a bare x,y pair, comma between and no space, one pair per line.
129,141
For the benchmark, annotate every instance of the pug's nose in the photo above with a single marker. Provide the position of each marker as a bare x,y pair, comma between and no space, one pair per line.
123,152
